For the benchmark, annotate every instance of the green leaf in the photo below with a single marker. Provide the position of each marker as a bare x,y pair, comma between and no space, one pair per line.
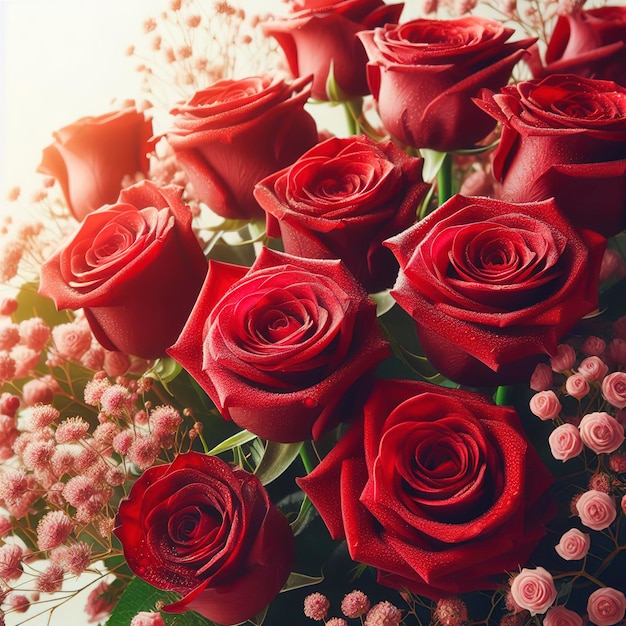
164,370
433,161
31,304
305,515
276,459
384,301
297,581
238,439
140,596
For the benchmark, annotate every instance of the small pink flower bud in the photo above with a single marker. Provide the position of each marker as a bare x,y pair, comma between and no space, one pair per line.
8,306
545,405
596,509
383,614
565,442
564,358
593,368
560,616
534,590
616,352
147,618
53,529
614,389
601,432
51,579
577,386
355,604
316,606
573,545
37,391
542,378
606,606
593,346
451,612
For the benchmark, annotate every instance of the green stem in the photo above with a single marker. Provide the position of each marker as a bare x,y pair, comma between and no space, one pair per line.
503,395
352,117
306,458
444,180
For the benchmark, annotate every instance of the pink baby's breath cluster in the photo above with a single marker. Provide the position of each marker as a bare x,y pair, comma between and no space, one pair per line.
355,605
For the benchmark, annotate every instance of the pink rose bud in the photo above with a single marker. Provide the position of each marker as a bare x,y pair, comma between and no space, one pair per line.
534,590
564,358
617,351
606,606
593,368
147,618
565,442
593,346
573,545
545,405
596,509
8,306
612,265
601,432
614,389
542,378
577,386
560,616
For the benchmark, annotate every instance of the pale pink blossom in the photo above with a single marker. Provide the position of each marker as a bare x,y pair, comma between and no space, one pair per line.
100,603
355,604
25,358
53,529
542,378
545,405
11,562
116,363
116,400
72,430
7,367
593,368
606,606
51,579
18,602
9,404
143,451
565,442
601,432
573,545
316,606
383,614
94,390
534,590
593,346
8,306
93,359
9,335
614,389
6,526
596,509
564,359
37,391
560,616
74,558
451,611
35,333
43,415
72,340
147,618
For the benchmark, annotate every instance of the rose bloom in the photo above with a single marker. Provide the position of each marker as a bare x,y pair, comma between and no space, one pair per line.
564,137
91,157
135,267
565,442
342,199
208,531
564,359
424,74
614,389
545,405
606,606
319,38
601,432
232,134
577,386
436,488
589,43
596,509
573,545
493,286
534,590
283,348
593,368
560,616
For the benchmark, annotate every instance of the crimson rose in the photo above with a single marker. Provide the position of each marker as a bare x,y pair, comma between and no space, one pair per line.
208,531
424,74
564,137
437,488
320,38
283,347
231,135
135,267
91,157
492,287
588,43
341,199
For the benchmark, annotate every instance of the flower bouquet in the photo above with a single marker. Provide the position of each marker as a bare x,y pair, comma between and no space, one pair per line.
258,371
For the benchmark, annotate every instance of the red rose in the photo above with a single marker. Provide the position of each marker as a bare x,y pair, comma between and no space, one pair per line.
588,43
564,137
91,157
437,488
283,347
424,74
206,530
320,38
135,267
341,199
234,133
492,287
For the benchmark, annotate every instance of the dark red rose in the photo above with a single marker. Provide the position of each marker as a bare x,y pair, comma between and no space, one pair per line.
319,38
341,199
91,157
437,488
492,287
424,74
135,267
282,348
564,137
231,135
588,43
208,531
